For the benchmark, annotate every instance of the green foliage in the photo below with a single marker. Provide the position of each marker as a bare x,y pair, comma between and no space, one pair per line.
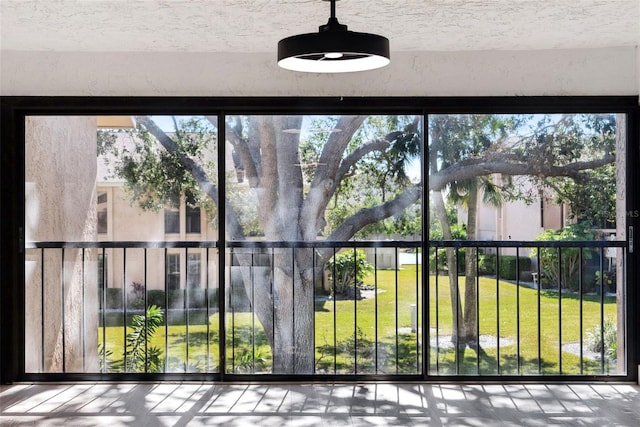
607,279
136,296
487,264
113,298
594,339
360,351
377,177
566,274
509,266
458,232
155,177
140,355
106,363
347,268
156,297
250,360
591,195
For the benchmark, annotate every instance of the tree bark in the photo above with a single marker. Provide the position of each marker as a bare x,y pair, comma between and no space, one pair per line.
469,332
456,307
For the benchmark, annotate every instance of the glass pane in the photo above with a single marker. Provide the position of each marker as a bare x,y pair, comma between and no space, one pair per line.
311,288
535,287
111,287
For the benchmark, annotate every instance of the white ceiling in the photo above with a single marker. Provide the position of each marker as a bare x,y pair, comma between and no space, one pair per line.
257,25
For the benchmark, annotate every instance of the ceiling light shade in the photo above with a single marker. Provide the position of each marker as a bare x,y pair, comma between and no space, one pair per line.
333,49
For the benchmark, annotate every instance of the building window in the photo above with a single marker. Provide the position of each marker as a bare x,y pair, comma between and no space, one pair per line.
171,220
102,212
192,219
102,271
193,271
173,271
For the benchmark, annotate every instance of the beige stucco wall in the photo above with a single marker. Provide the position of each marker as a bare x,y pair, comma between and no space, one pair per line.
601,71
60,206
128,222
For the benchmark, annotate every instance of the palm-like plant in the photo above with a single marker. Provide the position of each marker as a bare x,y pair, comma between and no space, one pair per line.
139,355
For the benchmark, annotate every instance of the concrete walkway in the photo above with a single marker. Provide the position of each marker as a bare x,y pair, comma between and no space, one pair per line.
200,404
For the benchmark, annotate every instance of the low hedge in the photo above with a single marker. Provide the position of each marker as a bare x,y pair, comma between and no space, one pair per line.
487,266
509,263
178,298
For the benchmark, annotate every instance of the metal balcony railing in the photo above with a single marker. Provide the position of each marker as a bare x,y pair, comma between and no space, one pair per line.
484,309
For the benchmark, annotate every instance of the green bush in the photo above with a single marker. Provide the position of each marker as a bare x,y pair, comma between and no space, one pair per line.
458,232
156,297
114,298
350,268
509,266
593,339
176,297
487,264
571,261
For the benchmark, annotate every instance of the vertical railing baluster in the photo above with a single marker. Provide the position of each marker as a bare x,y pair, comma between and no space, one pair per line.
335,331
273,308
62,314
42,311
581,310
456,320
602,347
293,303
560,283
83,327
144,307
418,310
207,307
437,313
498,367
251,310
167,309
104,311
538,306
518,367
375,296
186,308
233,315
477,311
425,309
124,307
396,303
355,309
313,318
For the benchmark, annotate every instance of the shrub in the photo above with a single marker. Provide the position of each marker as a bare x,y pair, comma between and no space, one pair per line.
135,298
568,276
350,268
593,339
113,298
156,297
509,266
458,232
487,264
140,355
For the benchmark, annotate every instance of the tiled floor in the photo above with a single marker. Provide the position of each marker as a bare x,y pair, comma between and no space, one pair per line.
198,404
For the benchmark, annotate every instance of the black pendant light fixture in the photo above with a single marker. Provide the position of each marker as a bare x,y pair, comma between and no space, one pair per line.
333,49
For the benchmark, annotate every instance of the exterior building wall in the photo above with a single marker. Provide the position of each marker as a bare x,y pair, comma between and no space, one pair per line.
128,222
60,206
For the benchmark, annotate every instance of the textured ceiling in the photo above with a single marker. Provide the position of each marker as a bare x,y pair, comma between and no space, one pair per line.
257,25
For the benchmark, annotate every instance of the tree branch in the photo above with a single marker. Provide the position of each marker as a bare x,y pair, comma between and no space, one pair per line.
204,182
479,166
368,216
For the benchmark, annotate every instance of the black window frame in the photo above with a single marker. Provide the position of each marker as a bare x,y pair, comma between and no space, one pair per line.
14,109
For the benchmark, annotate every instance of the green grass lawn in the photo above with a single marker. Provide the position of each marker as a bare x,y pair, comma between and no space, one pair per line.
346,332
